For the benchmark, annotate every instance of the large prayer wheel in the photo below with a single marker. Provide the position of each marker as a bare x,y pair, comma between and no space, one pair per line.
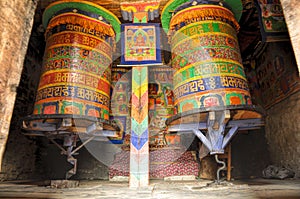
211,92
209,75
206,55
73,96
76,74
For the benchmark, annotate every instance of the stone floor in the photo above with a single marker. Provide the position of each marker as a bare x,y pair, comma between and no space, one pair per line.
254,188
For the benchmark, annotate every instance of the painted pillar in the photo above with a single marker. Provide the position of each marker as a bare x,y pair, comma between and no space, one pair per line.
139,142
16,21
139,12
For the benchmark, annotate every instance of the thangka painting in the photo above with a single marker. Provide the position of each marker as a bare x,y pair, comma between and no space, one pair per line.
140,44
276,75
272,23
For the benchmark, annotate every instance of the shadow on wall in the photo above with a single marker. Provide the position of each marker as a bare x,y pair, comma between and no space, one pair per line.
52,165
250,154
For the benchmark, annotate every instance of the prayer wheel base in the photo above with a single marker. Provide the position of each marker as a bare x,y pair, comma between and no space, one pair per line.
237,112
58,125
70,129
216,126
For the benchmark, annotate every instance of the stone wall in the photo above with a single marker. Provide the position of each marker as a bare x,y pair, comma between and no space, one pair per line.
51,164
277,90
19,157
283,133
250,154
16,23
292,19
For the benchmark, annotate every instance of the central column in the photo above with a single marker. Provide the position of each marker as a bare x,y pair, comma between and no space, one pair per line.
139,142
140,50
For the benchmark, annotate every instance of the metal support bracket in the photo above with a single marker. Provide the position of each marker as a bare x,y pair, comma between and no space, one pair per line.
70,144
216,138
217,132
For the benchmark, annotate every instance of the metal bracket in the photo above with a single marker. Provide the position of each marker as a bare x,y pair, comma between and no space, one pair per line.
70,143
216,138
219,131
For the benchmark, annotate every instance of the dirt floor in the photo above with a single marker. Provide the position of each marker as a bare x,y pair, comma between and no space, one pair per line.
254,188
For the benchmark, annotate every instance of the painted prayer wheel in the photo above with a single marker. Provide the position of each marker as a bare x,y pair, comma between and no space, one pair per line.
76,75
205,54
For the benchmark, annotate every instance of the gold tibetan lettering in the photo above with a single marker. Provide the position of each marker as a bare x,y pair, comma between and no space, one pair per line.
65,91
57,92
224,81
81,93
193,86
200,85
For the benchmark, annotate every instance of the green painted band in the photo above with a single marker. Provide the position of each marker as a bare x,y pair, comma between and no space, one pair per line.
85,6
235,5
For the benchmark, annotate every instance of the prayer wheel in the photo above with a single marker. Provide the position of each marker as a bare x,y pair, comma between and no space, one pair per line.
73,96
206,56
76,75
209,75
211,94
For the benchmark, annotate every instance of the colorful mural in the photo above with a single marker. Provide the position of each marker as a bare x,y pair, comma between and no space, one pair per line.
272,22
120,102
274,76
161,104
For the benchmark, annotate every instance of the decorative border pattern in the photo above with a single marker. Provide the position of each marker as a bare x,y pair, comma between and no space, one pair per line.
167,12
202,27
87,6
203,12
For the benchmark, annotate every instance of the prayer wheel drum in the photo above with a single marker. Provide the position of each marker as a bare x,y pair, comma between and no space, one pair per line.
75,80
205,54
